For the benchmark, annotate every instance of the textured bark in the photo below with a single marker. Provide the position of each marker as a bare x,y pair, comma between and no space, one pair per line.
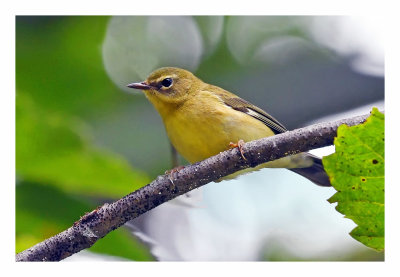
98,223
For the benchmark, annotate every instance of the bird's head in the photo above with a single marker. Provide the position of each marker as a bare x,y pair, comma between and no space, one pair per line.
168,86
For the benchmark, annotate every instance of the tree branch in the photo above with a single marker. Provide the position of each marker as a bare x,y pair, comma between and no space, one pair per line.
98,223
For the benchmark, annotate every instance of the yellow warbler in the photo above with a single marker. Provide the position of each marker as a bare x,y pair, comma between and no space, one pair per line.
203,120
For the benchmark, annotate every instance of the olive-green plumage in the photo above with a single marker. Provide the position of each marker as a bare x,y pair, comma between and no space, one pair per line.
202,120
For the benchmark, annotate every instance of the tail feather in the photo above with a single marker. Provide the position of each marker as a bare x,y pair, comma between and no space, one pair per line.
315,173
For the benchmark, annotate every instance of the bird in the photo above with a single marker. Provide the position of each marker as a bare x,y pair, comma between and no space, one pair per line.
202,120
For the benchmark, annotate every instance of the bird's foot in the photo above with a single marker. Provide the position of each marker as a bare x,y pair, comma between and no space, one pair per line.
172,171
239,145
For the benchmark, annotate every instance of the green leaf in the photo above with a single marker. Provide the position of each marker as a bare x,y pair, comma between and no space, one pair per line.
43,211
357,172
56,149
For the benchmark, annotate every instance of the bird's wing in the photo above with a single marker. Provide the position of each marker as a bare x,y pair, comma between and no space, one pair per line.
242,105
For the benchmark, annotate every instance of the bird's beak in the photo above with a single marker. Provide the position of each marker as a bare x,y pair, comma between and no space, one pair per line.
141,85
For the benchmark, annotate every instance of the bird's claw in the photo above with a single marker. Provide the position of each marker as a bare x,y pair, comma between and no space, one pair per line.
239,145
172,171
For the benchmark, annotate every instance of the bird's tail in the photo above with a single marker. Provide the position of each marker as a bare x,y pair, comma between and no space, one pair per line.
314,170
314,173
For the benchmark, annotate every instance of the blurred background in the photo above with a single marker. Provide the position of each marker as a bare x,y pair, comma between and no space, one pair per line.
83,138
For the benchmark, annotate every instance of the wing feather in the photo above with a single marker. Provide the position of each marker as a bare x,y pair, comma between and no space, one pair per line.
242,105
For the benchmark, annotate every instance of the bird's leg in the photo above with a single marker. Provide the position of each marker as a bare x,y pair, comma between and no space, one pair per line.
239,145
175,164
174,155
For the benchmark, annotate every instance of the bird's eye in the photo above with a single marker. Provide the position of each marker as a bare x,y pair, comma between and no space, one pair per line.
167,82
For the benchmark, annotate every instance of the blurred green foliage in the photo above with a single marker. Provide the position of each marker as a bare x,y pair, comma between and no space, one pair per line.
52,148
357,172
43,211
61,172
58,62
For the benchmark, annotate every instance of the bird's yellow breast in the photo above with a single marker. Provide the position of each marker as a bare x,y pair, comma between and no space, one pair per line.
204,126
